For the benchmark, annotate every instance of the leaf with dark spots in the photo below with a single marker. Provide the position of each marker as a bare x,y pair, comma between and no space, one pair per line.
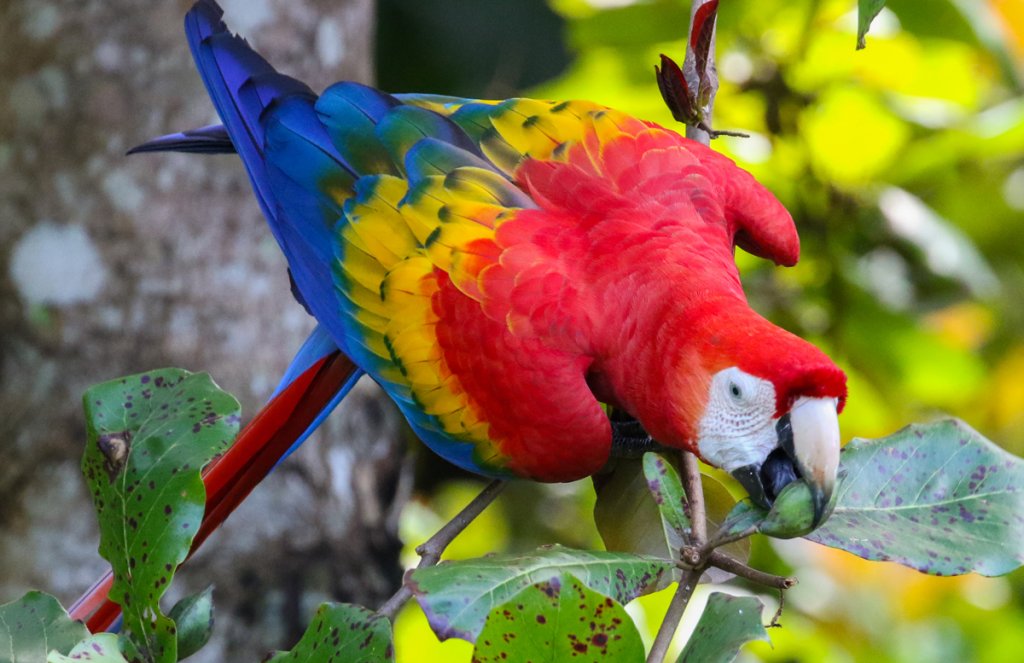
556,621
939,498
867,10
727,623
34,626
99,648
457,596
667,491
143,470
342,633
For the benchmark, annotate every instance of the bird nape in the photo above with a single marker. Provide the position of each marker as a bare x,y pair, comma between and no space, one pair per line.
505,270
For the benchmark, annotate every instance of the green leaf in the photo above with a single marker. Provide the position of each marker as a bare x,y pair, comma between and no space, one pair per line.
629,520
457,596
342,632
193,616
667,491
939,498
557,620
790,516
34,626
100,648
727,623
867,10
149,436
744,519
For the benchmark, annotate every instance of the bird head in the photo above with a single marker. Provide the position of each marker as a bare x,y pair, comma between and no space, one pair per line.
756,401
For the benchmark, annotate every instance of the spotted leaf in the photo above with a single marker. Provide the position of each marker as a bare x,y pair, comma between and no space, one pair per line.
557,620
667,490
939,498
458,596
343,633
100,648
149,437
34,626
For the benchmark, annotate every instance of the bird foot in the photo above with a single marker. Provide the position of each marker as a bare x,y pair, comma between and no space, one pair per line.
629,439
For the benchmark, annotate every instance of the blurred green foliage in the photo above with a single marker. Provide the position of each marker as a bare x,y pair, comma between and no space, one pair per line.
903,165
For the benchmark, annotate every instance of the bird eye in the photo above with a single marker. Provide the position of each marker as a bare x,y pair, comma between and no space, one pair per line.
734,389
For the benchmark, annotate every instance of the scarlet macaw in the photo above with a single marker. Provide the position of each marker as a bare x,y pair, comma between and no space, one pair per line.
504,268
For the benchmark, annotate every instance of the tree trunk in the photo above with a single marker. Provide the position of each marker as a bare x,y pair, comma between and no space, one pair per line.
114,265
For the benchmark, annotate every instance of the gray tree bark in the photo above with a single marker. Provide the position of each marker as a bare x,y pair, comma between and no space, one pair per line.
112,265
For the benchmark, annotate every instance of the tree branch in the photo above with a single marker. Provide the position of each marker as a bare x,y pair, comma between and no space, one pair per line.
673,615
431,550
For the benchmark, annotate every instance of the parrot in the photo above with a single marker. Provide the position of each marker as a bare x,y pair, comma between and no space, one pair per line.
510,272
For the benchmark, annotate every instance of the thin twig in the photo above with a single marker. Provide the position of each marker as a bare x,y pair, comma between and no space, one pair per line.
668,627
726,563
431,550
774,623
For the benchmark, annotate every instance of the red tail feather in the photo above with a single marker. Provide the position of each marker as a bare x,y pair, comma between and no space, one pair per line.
230,478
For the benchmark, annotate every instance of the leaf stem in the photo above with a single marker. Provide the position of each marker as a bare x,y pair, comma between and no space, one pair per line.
430,551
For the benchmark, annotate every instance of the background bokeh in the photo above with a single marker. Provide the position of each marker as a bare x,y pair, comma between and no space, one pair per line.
903,165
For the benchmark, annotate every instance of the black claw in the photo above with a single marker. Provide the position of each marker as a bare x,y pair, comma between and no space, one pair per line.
629,439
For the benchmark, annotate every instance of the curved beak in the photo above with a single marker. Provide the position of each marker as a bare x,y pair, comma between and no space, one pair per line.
814,448
808,448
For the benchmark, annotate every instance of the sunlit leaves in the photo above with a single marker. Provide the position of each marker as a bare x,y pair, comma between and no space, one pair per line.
727,623
35,625
458,596
149,436
342,632
851,136
558,620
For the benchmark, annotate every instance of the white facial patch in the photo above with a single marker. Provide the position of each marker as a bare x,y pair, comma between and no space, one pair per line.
738,426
